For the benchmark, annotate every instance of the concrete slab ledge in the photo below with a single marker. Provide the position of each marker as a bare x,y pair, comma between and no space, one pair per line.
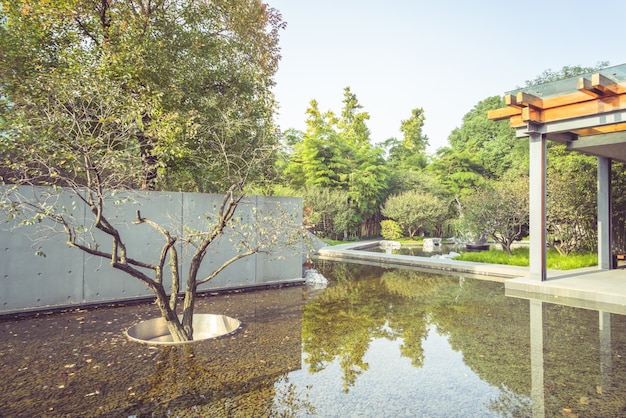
355,251
603,290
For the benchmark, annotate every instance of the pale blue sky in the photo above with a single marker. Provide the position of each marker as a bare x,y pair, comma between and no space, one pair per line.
441,55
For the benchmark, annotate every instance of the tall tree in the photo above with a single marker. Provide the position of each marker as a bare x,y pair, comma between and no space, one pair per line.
314,160
352,123
336,153
409,153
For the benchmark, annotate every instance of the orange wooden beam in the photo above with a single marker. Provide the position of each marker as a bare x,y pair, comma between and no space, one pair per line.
528,100
503,113
605,129
604,84
585,86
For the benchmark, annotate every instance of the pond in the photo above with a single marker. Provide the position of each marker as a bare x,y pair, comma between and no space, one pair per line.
418,250
376,342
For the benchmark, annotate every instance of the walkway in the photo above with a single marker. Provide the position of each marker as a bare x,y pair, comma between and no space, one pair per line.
589,288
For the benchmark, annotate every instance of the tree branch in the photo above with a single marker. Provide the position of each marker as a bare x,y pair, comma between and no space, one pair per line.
226,264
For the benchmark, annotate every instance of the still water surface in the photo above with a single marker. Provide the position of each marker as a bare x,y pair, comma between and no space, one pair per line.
376,342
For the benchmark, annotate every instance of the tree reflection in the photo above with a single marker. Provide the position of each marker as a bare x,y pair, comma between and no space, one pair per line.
364,303
367,303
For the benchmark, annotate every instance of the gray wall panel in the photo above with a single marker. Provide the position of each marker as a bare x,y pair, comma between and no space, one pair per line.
36,281
66,277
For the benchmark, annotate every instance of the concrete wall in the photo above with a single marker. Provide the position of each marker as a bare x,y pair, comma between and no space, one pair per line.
67,277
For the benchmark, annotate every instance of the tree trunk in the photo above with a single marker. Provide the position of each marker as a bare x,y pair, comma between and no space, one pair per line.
174,325
148,159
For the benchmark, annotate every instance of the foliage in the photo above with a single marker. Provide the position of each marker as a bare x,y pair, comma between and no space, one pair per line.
458,172
567,71
327,212
499,210
491,143
414,211
390,229
335,153
409,153
192,82
571,201
619,206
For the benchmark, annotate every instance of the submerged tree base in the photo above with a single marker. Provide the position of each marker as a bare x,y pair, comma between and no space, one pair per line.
205,326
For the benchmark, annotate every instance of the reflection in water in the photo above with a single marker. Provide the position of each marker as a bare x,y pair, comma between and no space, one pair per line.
376,342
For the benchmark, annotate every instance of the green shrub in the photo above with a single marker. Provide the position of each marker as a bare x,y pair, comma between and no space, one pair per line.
390,229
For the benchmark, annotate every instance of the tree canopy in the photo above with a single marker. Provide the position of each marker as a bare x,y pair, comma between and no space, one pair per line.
187,86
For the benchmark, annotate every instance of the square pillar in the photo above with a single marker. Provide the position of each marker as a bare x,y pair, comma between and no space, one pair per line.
538,163
605,256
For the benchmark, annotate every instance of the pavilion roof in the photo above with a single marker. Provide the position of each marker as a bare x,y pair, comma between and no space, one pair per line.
587,112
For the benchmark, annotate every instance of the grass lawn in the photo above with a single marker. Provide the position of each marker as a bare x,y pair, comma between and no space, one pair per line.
334,241
520,257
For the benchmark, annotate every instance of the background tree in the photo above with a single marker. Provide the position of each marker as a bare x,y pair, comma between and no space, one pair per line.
109,96
414,210
336,153
571,201
619,206
491,144
458,172
325,211
409,153
499,210
567,71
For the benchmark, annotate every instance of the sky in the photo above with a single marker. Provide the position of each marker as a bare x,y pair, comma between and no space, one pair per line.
443,56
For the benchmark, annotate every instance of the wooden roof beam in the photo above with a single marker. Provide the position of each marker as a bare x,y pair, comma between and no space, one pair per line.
503,113
584,85
604,84
511,101
531,115
528,100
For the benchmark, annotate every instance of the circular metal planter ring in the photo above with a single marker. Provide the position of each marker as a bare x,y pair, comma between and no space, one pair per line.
205,326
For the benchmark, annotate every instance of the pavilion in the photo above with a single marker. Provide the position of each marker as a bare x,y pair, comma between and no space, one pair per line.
586,113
